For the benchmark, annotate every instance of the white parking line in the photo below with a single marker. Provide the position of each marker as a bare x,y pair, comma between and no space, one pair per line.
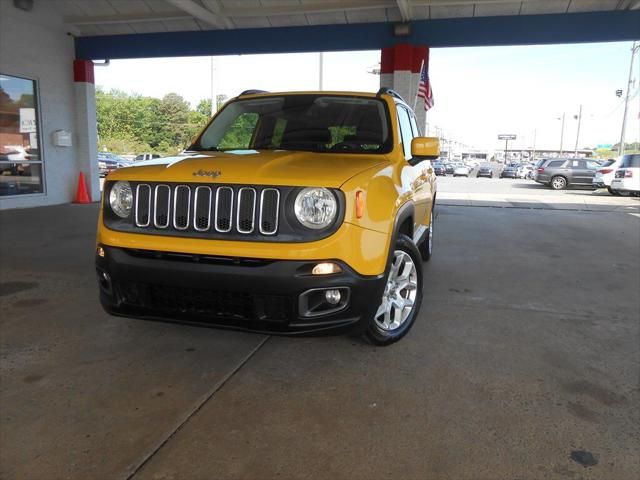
635,214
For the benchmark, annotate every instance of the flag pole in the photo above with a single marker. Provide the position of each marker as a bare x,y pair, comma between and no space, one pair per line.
415,100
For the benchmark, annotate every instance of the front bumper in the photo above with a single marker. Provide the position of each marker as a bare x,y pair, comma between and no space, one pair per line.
246,294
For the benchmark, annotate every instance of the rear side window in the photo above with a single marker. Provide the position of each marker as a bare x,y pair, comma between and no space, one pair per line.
591,165
630,161
555,163
606,163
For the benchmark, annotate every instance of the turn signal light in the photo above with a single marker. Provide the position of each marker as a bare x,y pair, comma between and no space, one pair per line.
326,268
541,170
628,173
100,251
359,204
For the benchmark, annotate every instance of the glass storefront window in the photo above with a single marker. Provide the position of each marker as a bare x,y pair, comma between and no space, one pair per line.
20,154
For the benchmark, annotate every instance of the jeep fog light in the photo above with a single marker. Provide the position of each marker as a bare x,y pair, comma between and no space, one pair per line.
332,296
326,268
315,208
121,199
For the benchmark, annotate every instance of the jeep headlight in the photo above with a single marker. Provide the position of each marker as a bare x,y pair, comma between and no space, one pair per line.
102,164
121,199
315,207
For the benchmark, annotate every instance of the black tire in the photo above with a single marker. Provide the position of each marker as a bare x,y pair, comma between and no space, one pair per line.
612,191
426,246
375,333
558,182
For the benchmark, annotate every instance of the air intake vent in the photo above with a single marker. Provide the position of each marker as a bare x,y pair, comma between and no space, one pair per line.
143,205
246,210
224,209
181,207
269,205
202,209
162,203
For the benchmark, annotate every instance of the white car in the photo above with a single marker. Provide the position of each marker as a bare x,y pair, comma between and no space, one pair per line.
461,171
605,174
524,171
627,176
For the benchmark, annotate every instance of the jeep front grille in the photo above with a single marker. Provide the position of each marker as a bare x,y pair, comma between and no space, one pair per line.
207,208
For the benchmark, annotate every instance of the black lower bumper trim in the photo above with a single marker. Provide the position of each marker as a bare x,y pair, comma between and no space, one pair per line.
254,295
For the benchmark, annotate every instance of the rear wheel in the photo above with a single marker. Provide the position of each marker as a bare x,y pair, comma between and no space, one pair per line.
558,183
402,296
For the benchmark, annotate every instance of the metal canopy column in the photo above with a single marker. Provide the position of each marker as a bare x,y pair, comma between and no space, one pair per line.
86,125
400,70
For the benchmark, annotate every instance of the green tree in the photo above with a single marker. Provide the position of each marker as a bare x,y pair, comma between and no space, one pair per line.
204,106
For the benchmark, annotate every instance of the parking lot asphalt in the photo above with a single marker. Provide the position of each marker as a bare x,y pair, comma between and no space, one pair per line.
524,363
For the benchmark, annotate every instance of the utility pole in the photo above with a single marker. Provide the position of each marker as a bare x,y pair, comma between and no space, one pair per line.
575,152
562,134
621,145
533,154
320,69
214,102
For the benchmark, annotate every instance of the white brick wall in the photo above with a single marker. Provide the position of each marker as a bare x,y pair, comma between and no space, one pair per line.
36,45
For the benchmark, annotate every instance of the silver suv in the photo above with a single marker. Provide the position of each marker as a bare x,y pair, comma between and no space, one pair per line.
558,173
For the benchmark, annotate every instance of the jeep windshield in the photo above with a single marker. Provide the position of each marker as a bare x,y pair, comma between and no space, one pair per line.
312,123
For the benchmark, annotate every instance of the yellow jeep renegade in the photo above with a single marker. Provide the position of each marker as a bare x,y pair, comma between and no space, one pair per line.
290,213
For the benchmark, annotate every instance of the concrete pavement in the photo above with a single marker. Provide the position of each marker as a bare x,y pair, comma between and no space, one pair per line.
519,193
526,353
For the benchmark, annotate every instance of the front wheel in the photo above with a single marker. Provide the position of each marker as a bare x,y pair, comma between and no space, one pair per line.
402,296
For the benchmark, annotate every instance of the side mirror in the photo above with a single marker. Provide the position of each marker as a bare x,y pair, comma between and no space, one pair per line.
425,148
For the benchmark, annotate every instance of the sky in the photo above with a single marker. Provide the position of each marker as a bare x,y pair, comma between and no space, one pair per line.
479,92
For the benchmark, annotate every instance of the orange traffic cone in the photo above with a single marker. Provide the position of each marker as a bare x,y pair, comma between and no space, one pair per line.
82,196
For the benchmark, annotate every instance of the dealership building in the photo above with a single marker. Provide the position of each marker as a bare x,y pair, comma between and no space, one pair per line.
47,50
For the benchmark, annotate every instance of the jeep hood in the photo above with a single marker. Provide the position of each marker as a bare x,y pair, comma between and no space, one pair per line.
276,167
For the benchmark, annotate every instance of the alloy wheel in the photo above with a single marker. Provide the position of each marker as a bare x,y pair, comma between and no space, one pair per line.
558,183
399,293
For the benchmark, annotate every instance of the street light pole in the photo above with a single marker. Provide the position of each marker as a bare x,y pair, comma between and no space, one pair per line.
621,145
320,70
562,134
533,154
214,103
575,152
506,150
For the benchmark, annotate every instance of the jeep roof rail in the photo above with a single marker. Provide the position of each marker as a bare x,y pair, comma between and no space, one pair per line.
391,92
252,92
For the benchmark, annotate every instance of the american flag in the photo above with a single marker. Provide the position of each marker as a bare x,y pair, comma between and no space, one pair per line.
424,88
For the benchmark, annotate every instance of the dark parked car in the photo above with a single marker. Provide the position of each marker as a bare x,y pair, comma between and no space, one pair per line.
558,173
449,168
439,169
485,171
108,162
509,172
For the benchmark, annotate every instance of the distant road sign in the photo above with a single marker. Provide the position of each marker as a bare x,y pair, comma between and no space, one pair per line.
507,137
604,145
